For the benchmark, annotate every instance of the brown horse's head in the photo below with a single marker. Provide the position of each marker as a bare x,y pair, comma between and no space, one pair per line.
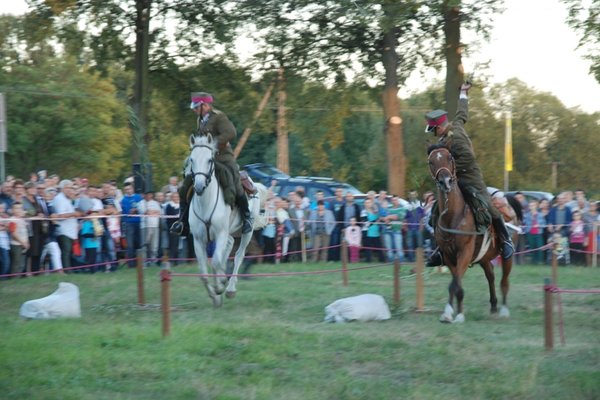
442,167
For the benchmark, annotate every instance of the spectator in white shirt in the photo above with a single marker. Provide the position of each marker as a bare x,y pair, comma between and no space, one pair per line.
67,228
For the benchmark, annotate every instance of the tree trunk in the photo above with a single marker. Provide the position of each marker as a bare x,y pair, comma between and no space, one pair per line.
257,114
391,111
454,67
283,160
140,91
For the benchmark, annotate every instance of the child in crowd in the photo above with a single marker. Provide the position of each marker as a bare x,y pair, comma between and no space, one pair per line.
577,239
353,236
90,240
562,247
19,238
269,236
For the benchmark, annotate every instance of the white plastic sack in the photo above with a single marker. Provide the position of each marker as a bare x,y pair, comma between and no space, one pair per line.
365,307
63,303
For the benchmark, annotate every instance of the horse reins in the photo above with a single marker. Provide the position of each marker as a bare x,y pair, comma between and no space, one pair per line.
211,168
208,177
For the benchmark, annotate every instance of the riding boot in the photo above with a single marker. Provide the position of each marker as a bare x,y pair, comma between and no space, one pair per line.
435,260
242,202
507,245
181,226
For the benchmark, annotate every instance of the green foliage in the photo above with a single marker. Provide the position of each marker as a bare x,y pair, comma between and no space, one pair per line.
58,113
584,18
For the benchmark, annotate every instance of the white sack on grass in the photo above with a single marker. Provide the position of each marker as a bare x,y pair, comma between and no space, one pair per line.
63,303
365,307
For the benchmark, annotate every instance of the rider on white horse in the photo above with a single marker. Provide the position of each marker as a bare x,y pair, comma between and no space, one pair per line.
215,122
453,136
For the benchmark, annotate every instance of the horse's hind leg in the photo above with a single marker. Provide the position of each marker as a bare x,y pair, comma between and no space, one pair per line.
459,293
505,286
488,269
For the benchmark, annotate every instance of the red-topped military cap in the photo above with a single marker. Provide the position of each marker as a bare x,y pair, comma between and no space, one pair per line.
199,98
435,118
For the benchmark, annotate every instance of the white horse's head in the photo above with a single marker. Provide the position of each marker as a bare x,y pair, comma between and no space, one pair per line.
202,162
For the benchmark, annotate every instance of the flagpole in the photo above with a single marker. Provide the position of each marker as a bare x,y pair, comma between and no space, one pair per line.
508,160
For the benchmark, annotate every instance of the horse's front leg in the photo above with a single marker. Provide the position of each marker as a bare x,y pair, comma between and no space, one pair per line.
219,262
448,314
488,269
239,258
202,257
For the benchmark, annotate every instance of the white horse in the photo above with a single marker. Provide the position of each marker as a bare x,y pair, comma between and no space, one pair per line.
211,219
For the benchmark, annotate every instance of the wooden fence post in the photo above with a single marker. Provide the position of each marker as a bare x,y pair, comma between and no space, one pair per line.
419,280
303,246
555,263
345,262
396,281
548,331
165,295
140,277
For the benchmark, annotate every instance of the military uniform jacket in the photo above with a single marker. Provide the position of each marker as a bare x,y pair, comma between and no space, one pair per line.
459,144
222,130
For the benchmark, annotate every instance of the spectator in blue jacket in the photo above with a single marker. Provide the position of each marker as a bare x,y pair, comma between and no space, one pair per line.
131,222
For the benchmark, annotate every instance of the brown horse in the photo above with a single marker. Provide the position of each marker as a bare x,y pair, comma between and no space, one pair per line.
459,241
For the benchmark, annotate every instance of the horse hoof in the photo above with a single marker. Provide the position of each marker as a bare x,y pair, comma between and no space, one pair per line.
460,318
217,301
446,319
230,295
504,313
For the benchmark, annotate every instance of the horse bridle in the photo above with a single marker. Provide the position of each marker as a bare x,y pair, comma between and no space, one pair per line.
451,170
211,168
208,177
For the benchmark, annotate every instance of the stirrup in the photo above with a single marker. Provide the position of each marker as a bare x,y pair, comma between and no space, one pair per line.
178,228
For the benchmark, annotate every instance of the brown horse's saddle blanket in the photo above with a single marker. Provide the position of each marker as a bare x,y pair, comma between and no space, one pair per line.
479,206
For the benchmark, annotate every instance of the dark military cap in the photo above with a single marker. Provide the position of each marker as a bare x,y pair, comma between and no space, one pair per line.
435,118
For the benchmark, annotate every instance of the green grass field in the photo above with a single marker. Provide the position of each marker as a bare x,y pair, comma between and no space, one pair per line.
270,342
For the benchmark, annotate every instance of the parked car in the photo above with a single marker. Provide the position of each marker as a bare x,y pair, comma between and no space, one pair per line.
264,173
533,195
311,185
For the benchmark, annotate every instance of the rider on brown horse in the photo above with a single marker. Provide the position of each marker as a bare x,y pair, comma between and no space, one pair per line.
453,136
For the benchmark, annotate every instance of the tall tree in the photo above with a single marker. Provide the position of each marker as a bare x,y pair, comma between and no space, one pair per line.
584,17
381,41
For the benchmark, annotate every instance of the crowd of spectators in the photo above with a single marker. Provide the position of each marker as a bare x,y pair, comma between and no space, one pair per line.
48,223
570,221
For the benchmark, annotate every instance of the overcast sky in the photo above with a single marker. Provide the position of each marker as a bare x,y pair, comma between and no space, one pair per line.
530,41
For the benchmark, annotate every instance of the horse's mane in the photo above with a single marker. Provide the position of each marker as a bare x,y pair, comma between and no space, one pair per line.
516,205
